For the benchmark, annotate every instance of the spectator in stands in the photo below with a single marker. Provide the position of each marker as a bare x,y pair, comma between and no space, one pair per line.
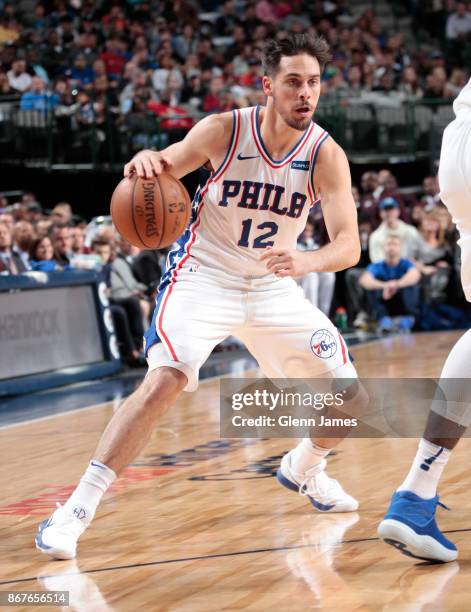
388,187
43,227
431,192
318,286
38,98
23,236
357,307
53,55
139,82
433,257
458,24
123,282
34,64
61,239
391,224
435,84
161,74
212,101
35,212
456,82
146,267
370,195
10,262
446,223
7,92
392,287
61,213
228,19
82,74
114,57
354,80
41,256
78,240
185,43
18,78
126,311
409,84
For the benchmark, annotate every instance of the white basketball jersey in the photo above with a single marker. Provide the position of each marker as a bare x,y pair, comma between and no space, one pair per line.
464,98
252,201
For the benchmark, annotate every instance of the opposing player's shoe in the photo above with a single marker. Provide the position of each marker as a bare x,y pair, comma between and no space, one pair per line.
409,526
324,493
58,535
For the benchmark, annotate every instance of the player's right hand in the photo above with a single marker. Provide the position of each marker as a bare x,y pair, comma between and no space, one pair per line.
147,164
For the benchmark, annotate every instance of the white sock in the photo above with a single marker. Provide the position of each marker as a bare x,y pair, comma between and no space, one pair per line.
306,455
426,469
84,500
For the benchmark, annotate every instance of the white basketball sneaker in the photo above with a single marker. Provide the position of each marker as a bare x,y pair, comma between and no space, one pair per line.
324,493
58,535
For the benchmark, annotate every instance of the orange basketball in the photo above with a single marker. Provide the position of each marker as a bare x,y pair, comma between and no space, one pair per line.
150,213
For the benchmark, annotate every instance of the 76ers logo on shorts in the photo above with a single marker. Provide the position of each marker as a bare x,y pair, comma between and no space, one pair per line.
323,344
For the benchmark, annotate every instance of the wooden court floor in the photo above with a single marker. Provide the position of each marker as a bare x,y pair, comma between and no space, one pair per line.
200,524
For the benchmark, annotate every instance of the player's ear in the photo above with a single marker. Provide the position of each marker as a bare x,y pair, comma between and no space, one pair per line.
267,86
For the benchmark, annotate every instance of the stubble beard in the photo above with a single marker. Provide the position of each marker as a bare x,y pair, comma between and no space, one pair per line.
297,124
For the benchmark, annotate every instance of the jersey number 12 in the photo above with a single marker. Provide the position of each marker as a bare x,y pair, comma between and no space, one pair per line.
261,241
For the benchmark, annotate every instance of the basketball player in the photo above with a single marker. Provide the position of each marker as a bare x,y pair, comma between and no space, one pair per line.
232,274
409,524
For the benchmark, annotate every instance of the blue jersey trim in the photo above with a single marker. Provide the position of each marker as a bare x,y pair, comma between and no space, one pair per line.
231,142
311,178
174,257
262,144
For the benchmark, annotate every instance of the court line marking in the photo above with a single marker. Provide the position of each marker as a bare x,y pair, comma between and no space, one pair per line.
203,558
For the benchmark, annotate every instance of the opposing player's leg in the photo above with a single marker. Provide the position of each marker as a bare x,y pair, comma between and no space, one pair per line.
186,326
290,338
409,524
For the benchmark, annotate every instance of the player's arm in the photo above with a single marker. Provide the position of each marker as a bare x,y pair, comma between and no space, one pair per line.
209,138
333,182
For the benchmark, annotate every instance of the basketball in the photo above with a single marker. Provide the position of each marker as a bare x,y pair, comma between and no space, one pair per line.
150,213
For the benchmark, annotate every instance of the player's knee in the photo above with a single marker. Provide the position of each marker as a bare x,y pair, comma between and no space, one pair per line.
162,387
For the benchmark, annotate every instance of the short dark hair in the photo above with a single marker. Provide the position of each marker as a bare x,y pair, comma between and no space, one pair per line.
294,44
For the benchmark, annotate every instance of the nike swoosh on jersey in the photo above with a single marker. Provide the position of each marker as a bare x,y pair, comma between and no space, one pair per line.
242,157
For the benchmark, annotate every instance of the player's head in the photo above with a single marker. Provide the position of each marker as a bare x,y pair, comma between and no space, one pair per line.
292,76
392,249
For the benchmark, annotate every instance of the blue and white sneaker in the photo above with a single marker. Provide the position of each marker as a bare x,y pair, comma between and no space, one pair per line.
324,493
58,535
409,526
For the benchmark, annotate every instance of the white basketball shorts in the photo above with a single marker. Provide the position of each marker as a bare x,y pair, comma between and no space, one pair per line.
287,335
454,176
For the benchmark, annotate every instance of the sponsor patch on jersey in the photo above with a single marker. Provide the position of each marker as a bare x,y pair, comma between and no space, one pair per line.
298,164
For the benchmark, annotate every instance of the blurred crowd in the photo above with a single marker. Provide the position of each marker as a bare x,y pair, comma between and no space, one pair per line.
121,64
407,277
106,65
408,274
33,239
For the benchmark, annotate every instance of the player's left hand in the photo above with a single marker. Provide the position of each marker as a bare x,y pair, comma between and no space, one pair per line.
287,262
